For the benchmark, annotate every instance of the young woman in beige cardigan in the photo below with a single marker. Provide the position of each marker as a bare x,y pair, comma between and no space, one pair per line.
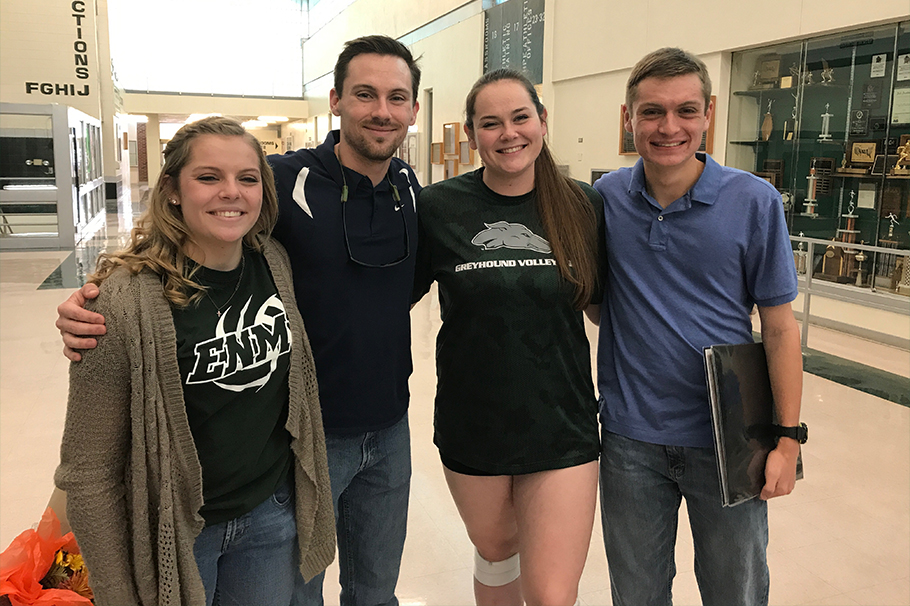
193,456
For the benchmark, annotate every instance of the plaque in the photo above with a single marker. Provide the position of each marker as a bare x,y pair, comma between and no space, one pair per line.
866,197
878,66
859,123
862,152
824,168
900,105
903,67
769,68
872,95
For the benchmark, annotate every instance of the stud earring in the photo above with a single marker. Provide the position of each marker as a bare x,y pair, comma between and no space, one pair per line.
174,202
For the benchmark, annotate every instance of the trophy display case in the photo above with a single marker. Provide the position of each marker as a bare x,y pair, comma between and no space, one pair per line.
51,176
827,122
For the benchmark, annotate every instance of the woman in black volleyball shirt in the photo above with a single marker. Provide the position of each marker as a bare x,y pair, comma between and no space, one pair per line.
193,456
516,249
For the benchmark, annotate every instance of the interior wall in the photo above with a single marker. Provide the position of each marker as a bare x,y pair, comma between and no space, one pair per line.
49,54
451,61
597,37
391,17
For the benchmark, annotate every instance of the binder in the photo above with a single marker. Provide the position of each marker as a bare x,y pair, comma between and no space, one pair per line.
742,416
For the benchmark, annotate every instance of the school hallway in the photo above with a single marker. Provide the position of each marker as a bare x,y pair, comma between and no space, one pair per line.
842,537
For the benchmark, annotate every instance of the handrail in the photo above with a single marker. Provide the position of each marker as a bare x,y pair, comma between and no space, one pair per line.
869,295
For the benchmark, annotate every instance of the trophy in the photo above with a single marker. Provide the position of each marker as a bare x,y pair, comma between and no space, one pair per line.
902,166
831,262
811,202
891,225
886,266
791,124
827,74
767,125
800,256
807,78
860,257
847,234
826,124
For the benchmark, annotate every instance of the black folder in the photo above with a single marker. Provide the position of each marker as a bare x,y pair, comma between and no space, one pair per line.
743,417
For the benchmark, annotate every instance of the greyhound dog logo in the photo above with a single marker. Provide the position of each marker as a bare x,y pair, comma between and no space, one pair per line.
503,234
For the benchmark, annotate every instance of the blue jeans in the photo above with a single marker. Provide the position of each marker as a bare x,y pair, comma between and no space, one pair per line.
251,559
641,487
370,475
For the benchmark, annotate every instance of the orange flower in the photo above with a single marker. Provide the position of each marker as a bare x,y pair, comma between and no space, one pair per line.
78,583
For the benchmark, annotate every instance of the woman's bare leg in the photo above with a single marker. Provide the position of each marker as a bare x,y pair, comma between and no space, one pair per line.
485,505
555,515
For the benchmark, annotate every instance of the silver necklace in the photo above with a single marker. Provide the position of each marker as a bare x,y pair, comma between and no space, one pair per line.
236,288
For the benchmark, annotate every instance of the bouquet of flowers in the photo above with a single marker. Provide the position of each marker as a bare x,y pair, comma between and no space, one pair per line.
41,567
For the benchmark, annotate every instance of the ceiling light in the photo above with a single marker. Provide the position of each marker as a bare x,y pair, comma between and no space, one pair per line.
254,124
273,118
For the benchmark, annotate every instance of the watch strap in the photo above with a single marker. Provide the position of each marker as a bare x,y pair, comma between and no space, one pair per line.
800,433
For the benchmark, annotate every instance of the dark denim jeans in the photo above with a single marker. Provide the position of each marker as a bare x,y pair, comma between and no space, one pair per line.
251,559
371,477
641,487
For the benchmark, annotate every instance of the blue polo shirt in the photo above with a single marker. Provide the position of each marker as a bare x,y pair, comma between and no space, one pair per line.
682,278
356,316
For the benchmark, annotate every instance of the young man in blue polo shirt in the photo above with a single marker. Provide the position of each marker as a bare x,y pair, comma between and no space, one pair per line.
347,219
692,246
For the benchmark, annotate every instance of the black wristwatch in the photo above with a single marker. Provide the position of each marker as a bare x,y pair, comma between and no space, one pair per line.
800,433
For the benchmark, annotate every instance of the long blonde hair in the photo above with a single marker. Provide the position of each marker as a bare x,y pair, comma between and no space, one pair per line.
158,242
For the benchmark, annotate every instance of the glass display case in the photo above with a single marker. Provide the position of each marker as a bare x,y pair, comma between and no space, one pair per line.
51,176
827,122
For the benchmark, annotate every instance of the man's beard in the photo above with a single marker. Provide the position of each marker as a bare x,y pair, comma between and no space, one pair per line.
372,150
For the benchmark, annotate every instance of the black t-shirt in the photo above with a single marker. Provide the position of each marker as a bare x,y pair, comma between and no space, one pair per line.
234,370
514,387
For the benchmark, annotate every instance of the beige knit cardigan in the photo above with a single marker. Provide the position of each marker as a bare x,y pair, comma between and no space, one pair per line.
128,461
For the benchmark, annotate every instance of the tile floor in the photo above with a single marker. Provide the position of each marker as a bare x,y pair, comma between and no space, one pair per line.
843,536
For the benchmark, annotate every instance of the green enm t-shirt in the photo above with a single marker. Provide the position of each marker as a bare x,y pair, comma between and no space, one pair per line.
234,369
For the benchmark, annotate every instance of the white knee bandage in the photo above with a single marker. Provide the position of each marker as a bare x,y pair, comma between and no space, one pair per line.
496,574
